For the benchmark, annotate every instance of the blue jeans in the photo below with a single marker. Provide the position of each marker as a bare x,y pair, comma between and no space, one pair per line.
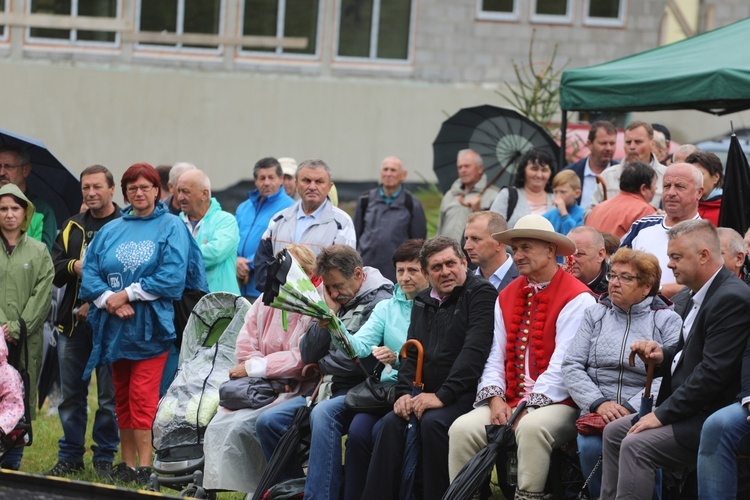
589,453
329,421
271,426
73,353
725,434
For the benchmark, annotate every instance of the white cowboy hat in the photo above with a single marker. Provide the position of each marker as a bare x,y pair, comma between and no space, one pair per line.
537,227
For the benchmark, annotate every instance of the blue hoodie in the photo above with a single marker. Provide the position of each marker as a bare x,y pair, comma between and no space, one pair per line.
253,216
152,251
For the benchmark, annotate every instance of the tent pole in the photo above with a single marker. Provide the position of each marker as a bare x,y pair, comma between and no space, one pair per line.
563,137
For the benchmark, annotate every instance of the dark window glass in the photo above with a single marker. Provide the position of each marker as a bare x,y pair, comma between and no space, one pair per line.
604,8
97,8
552,7
393,30
2,9
355,24
260,19
497,5
59,7
202,16
301,20
159,16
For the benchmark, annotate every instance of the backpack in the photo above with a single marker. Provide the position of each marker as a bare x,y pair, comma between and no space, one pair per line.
512,201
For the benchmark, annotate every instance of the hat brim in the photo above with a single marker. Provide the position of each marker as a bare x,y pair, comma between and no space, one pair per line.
565,245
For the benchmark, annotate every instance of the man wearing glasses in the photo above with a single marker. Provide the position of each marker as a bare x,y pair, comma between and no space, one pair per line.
15,167
683,187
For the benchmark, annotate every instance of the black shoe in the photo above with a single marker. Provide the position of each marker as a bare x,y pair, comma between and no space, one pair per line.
122,473
63,468
103,469
143,475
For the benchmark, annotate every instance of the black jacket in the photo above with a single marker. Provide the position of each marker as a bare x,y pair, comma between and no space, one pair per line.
707,375
68,248
456,336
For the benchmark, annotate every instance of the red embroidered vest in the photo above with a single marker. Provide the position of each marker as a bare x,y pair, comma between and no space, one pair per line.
530,325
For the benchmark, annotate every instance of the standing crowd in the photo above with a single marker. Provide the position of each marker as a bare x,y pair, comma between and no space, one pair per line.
520,305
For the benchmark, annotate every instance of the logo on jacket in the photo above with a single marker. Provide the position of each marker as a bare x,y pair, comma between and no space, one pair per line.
133,254
115,281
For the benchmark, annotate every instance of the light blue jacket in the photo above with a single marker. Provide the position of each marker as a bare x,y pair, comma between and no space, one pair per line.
253,216
152,251
387,325
217,236
563,225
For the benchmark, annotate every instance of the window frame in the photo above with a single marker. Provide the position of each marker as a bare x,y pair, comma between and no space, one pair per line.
605,22
73,40
374,38
489,15
279,53
5,36
178,47
552,19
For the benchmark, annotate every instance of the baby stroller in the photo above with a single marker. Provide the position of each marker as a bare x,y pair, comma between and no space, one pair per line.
206,356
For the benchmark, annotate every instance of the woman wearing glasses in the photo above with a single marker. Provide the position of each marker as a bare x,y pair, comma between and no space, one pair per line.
133,270
596,369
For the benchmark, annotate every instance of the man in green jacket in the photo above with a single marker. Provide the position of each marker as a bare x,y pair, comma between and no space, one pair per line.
215,230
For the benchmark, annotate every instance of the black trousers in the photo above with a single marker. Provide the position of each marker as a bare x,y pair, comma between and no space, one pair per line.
384,474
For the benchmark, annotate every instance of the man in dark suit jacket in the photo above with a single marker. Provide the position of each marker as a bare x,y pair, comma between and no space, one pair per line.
601,144
490,256
700,375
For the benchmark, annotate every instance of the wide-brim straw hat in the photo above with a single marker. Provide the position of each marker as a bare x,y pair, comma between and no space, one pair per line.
538,228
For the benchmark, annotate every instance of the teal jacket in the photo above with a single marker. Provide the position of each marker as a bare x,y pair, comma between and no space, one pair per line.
217,236
387,325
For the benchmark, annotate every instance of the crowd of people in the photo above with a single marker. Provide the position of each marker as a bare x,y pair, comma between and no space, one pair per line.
530,299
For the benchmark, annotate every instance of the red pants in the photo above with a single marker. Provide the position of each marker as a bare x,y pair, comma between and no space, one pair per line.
137,391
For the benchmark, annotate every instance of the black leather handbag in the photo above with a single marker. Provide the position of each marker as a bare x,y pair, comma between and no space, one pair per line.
372,395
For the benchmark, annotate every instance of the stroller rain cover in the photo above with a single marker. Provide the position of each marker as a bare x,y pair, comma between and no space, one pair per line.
193,397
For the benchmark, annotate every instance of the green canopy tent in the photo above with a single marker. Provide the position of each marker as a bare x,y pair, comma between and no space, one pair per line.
709,72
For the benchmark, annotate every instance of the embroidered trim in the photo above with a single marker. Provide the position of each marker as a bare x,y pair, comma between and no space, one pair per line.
525,339
489,392
536,399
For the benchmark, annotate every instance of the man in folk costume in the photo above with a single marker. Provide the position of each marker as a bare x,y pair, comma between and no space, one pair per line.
536,317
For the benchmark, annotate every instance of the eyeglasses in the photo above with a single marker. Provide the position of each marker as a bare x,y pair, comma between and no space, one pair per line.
135,189
624,278
8,167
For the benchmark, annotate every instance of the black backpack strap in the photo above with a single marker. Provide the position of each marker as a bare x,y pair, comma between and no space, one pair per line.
409,203
512,201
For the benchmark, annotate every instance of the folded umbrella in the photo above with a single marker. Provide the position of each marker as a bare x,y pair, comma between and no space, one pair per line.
412,441
477,470
647,401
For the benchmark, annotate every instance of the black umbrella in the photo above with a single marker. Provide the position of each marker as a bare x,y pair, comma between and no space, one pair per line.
735,211
412,444
647,401
477,470
288,444
501,136
49,179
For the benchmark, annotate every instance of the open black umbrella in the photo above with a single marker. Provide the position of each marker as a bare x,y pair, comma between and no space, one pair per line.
477,470
501,136
49,179
289,442
412,444
735,210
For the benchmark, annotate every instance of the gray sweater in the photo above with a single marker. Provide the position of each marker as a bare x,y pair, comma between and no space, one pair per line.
596,366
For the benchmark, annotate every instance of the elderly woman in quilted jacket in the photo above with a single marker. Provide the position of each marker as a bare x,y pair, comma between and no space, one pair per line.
596,369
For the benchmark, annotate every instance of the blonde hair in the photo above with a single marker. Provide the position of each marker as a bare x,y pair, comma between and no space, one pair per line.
567,177
303,256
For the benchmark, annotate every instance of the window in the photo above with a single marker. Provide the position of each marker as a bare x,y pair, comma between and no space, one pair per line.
604,13
3,30
500,10
374,29
88,8
551,11
181,17
282,18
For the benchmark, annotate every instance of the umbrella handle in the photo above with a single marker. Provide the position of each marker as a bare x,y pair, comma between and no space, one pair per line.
600,180
308,370
650,363
420,359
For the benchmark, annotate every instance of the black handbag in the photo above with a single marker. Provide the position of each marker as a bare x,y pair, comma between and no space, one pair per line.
251,392
372,395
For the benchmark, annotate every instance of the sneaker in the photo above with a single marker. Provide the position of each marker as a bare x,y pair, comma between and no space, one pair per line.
143,475
122,473
63,468
103,469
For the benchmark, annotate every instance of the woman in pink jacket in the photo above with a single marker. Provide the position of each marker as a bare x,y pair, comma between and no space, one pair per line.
264,349
11,393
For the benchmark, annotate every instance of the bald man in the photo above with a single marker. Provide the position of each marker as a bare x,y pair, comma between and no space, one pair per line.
387,216
215,230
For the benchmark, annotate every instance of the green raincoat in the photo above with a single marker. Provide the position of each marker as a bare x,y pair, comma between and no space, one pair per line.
26,291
